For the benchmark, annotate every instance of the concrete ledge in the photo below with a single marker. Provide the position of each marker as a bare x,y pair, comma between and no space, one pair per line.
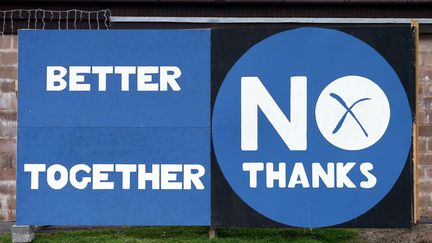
22,233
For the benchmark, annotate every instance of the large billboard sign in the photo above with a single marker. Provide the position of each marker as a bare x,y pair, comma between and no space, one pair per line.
114,127
310,127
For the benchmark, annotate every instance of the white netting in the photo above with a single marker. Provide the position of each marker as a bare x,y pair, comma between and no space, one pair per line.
15,19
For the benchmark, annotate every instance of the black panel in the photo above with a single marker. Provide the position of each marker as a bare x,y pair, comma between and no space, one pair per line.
396,44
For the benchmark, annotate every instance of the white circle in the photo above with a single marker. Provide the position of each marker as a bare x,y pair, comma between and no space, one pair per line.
342,102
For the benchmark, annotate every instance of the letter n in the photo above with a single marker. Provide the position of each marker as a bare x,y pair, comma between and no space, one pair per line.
254,95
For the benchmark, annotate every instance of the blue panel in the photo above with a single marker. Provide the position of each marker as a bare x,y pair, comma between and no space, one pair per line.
187,49
114,127
70,146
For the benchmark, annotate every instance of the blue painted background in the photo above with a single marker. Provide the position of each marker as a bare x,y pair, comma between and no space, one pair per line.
113,126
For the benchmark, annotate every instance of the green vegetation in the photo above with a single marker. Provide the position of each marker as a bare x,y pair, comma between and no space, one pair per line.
196,234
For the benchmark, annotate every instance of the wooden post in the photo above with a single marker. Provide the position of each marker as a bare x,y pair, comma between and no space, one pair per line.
212,233
416,216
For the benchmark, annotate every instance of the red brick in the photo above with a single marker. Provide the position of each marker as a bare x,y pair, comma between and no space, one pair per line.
425,89
421,103
8,115
8,101
425,210
425,188
425,102
9,58
7,190
11,201
427,92
14,40
424,118
8,129
429,146
13,161
421,117
9,72
8,145
7,160
425,159
7,42
425,73
425,130
425,44
7,87
424,203
8,215
427,61
425,172
428,102
422,144
7,174
421,57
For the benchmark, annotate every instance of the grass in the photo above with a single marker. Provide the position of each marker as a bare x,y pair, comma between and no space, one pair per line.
196,234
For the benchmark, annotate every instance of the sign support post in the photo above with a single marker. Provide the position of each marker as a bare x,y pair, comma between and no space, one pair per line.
212,233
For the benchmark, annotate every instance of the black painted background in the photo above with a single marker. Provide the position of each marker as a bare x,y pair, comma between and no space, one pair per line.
396,43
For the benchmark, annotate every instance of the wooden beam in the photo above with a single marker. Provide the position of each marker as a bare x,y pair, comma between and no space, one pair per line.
416,214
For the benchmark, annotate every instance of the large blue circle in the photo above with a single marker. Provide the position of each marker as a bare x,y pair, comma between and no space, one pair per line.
323,55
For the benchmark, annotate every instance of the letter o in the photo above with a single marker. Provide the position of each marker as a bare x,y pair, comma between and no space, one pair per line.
52,181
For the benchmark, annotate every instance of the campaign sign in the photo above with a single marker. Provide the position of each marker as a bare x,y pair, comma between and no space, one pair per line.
114,127
311,127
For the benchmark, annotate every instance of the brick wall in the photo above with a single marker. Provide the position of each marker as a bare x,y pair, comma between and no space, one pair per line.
424,120
8,125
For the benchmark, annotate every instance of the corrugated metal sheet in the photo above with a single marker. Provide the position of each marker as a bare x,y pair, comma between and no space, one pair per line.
242,1
235,9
